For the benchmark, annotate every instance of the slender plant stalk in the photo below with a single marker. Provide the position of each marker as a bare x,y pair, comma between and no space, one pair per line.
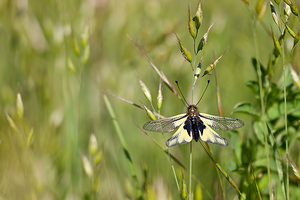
124,146
220,114
190,171
259,73
175,177
286,130
218,166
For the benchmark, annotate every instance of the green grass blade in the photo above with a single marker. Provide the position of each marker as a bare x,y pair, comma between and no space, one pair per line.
124,146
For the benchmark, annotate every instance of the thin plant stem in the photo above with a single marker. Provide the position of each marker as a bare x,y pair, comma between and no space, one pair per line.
190,171
286,130
124,146
220,114
259,74
175,177
218,166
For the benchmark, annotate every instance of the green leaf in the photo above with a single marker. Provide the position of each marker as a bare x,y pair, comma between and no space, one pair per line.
288,78
253,85
263,163
273,112
259,131
246,108
236,144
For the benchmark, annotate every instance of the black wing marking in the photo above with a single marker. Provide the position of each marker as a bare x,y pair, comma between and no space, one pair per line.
221,123
166,124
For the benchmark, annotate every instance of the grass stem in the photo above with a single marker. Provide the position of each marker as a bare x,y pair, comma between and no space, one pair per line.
190,171
259,74
124,146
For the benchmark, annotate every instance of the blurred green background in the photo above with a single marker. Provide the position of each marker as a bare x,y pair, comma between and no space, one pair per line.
62,75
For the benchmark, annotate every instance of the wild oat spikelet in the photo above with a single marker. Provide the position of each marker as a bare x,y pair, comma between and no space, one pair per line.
186,54
274,14
191,26
276,45
71,66
145,90
76,47
87,166
85,36
159,96
20,107
212,66
150,113
93,145
204,39
198,16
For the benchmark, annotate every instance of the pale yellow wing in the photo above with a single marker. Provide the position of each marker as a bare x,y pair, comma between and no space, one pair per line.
181,136
209,135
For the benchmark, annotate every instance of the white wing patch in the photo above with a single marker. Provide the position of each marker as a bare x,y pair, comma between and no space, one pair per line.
209,135
181,136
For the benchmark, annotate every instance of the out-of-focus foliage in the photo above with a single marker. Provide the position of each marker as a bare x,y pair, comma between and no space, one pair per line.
58,59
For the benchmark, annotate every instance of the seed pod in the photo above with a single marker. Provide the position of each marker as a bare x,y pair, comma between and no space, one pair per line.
145,90
276,45
198,71
212,66
203,39
29,137
93,145
11,122
273,12
287,11
294,9
87,166
85,37
295,77
71,66
150,113
20,107
86,54
98,157
261,10
198,16
76,47
291,32
159,97
186,54
191,26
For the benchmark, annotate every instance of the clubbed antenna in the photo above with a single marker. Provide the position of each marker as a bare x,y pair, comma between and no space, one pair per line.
203,92
181,94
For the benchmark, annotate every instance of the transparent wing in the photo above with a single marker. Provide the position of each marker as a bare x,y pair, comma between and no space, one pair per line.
221,123
181,136
211,136
166,124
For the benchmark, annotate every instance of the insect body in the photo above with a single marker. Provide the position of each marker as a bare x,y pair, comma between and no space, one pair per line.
194,125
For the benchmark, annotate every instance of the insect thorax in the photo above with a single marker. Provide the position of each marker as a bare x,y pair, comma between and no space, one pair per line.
192,110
